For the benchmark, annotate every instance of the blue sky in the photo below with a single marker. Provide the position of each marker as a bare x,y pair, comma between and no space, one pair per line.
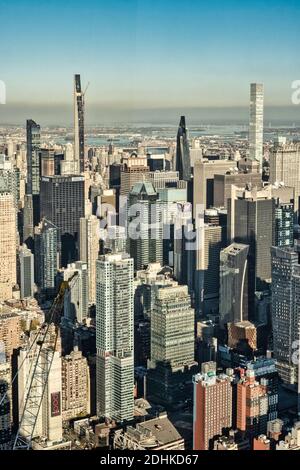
147,54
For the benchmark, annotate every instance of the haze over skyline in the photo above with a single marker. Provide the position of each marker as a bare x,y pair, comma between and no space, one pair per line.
141,59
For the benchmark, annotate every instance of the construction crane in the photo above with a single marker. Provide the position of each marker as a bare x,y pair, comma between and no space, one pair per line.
41,360
40,370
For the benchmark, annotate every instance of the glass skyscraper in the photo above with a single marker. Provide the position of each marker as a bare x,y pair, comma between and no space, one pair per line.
33,132
145,226
183,160
79,123
286,311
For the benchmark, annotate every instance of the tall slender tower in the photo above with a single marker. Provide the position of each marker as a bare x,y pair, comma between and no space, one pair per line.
114,337
89,249
33,131
183,160
79,123
256,127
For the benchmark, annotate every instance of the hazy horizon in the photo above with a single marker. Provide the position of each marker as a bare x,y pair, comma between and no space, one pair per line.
97,115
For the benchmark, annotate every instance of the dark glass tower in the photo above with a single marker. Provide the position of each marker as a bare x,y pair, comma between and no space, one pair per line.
145,216
79,123
62,203
183,160
33,132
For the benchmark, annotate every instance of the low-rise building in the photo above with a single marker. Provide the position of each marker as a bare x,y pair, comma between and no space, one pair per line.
155,434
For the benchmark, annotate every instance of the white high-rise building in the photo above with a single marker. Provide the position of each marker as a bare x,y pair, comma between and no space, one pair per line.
114,336
89,249
256,127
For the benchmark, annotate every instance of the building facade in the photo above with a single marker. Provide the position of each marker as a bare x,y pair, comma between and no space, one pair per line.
286,311
62,203
89,249
26,260
8,249
233,301
75,386
256,125
114,336
183,159
145,227
46,254
79,124
212,407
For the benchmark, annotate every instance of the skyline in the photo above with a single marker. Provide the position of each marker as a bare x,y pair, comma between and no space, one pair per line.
140,55
62,116
149,228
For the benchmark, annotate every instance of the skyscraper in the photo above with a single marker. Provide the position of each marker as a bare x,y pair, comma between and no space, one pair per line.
256,127
62,203
9,178
284,224
183,160
251,222
172,345
28,224
247,174
47,162
285,166
286,311
79,124
134,170
26,259
89,249
115,240
145,225
210,241
33,166
204,173
8,253
77,300
233,301
114,336
212,406
46,254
